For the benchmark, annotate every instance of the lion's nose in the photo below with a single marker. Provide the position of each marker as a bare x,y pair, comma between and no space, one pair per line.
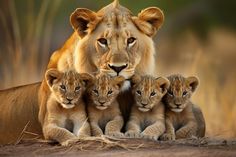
144,104
69,99
102,102
117,68
178,104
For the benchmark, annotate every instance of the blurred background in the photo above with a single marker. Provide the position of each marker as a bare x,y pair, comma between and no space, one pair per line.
198,38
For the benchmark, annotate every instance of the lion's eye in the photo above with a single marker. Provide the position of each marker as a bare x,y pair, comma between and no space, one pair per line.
185,93
63,87
109,92
77,88
102,42
138,92
153,94
95,91
131,41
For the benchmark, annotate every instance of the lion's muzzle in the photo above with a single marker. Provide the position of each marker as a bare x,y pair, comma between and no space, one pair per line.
117,68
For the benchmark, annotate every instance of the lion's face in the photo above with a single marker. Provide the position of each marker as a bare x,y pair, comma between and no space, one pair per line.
180,92
103,90
148,91
115,42
67,87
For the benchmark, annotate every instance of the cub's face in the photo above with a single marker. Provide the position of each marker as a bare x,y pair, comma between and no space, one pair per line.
67,87
180,92
104,89
148,91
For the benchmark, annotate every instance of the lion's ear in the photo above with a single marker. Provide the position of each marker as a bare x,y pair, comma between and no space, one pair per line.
52,75
83,20
87,78
135,79
163,83
149,20
119,80
193,82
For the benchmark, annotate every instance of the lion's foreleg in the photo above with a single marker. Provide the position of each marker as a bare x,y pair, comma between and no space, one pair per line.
54,132
187,131
96,130
133,128
170,130
154,131
114,126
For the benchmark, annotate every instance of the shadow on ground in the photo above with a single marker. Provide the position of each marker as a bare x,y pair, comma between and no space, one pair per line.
124,147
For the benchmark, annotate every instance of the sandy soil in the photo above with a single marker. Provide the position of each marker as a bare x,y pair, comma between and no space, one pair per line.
126,147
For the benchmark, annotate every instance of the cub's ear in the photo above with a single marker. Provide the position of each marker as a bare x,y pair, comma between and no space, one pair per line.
149,20
193,82
83,21
135,79
52,75
87,78
119,80
163,83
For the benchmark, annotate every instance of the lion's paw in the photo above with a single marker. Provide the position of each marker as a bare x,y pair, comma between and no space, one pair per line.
116,134
167,137
70,142
150,137
132,134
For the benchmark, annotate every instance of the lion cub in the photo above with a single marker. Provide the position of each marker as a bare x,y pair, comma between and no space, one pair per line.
65,106
147,114
103,109
180,119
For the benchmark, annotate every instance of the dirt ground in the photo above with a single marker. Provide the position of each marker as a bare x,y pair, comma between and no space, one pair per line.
125,147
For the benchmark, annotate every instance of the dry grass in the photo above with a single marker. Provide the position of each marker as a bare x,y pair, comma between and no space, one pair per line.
213,61
23,54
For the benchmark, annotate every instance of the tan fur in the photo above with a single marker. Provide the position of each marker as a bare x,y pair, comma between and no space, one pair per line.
103,109
65,105
82,51
18,107
116,25
181,120
147,115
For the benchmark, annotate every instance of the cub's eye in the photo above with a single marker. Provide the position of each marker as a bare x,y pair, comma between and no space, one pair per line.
153,94
77,88
95,91
170,93
185,93
63,87
102,42
138,92
109,92
131,41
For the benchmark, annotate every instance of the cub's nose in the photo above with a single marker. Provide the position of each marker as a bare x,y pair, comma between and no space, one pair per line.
144,104
117,68
102,102
69,99
178,104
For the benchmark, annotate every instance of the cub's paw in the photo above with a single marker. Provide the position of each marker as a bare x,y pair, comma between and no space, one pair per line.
180,134
132,134
116,134
97,133
167,137
70,142
150,137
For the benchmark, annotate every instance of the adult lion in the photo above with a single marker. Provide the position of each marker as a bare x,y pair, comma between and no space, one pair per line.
111,40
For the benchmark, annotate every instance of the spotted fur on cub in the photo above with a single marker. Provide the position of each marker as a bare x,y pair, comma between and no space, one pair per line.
103,109
183,119
147,114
